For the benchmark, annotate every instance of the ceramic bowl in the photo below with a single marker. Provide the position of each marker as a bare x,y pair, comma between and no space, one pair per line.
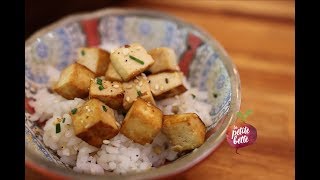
202,59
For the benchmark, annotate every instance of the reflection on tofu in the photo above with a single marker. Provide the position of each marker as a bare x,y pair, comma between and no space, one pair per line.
139,87
130,60
112,75
166,84
94,122
95,59
142,122
74,81
110,93
165,60
184,131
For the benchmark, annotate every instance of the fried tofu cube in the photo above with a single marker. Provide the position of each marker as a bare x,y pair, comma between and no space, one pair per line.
110,93
165,60
95,59
133,89
112,75
166,84
94,122
74,81
130,60
184,131
142,122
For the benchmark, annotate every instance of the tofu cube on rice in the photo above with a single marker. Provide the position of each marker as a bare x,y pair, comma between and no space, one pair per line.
112,75
94,122
184,131
137,88
165,60
166,84
130,60
142,122
110,93
74,81
95,59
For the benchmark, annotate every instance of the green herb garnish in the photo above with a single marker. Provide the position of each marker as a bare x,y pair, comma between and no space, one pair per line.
101,87
136,59
73,111
99,81
167,80
58,128
193,96
139,93
104,108
83,53
244,116
63,120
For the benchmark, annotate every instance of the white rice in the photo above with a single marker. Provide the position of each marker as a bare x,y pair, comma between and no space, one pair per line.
119,154
192,101
48,105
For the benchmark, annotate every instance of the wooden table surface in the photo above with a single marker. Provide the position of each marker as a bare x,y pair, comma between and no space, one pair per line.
259,37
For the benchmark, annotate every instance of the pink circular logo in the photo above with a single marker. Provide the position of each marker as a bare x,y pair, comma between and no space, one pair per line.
241,134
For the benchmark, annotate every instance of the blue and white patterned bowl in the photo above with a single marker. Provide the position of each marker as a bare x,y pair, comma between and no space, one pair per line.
201,58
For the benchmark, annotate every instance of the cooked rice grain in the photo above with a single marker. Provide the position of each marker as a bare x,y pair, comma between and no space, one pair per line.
119,154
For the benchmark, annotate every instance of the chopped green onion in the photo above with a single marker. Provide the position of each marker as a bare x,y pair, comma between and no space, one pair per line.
193,96
167,80
99,81
83,53
63,120
136,59
101,87
139,93
58,128
104,108
73,111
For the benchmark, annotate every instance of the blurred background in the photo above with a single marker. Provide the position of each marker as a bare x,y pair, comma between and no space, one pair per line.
259,37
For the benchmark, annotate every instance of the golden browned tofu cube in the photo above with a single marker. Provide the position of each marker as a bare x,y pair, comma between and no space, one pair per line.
166,84
95,59
130,60
165,60
142,122
74,81
112,75
184,131
110,93
94,122
139,87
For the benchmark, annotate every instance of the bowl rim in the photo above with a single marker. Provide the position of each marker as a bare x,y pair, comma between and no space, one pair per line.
41,165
